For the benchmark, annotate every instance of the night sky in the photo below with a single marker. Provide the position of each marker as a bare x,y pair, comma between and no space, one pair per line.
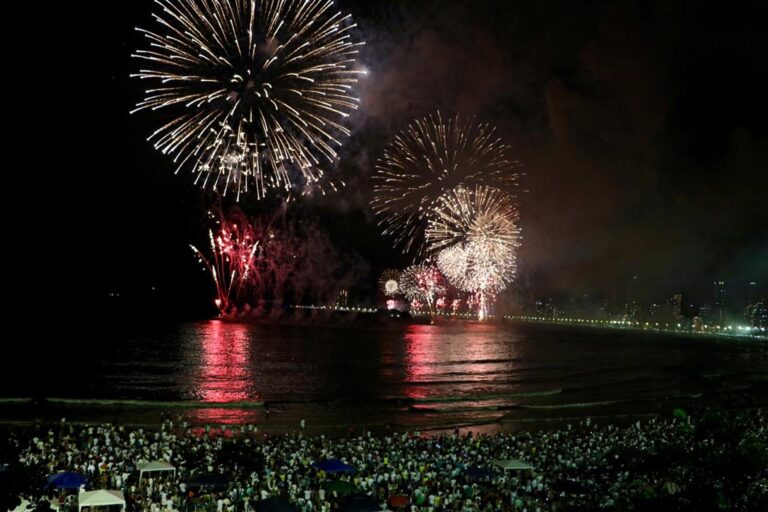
642,127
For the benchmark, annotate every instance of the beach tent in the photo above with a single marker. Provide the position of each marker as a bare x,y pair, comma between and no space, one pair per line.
512,464
66,480
100,498
333,466
152,467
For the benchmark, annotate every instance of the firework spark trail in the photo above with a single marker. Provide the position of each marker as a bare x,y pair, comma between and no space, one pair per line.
234,249
259,89
390,283
422,283
475,235
465,215
431,157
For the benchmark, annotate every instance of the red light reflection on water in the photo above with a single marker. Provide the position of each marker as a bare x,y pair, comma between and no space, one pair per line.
225,374
420,353
435,352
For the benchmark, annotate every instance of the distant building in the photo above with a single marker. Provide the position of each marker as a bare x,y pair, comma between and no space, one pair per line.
752,303
757,314
751,293
605,310
632,310
706,314
342,300
761,314
547,308
719,298
656,314
676,307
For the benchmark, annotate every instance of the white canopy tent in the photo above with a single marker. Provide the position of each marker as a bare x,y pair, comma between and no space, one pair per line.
151,467
512,464
100,498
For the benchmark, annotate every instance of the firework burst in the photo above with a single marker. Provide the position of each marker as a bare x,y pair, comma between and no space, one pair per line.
431,157
475,235
257,90
233,250
422,283
390,283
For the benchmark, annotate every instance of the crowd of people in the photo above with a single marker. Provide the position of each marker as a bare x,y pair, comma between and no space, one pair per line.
676,463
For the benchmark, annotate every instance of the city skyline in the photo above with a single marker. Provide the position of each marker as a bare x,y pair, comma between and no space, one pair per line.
741,303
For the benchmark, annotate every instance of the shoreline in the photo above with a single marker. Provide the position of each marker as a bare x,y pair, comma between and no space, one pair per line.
530,425
336,423
369,319
600,325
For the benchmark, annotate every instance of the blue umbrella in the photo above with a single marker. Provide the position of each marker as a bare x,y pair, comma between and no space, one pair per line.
333,466
66,480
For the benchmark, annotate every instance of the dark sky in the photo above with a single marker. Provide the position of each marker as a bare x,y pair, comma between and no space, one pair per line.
642,126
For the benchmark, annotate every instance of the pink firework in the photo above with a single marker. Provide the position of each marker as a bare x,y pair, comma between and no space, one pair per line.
423,284
232,262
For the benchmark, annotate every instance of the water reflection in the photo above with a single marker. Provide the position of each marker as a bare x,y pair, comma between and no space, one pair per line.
421,341
225,373
450,372
447,356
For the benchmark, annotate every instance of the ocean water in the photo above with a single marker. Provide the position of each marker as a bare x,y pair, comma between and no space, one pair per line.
404,377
